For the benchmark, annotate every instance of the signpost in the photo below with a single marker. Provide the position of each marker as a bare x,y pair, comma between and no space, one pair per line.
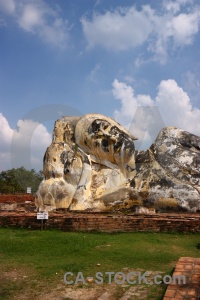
42,216
28,190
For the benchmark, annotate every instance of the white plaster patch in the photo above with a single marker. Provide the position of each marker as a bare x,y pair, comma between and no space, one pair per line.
185,159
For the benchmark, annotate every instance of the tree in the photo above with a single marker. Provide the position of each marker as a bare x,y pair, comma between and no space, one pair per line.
17,180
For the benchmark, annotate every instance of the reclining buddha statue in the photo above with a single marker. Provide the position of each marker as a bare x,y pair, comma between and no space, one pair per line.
92,165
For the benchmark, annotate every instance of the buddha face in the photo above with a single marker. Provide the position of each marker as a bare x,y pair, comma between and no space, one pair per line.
107,141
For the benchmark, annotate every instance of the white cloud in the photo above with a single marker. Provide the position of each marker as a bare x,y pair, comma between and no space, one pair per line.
38,133
139,62
129,79
184,27
93,74
172,32
129,101
31,17
175,6
40,19
56,34
176,107
28,133
140,113
5,133
5,141
191,83
30,136
7,6
118,30
159,31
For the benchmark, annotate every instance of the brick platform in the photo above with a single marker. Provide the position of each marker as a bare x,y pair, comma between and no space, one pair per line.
190,268
16,198
104,222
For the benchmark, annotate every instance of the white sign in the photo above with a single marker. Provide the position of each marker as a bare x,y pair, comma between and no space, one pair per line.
28,191
42,215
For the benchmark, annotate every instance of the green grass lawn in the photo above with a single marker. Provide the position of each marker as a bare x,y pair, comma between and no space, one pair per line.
48,255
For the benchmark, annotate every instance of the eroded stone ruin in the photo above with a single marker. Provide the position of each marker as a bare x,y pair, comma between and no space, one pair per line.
92,165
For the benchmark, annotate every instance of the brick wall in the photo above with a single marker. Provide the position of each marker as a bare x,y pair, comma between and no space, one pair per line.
105,222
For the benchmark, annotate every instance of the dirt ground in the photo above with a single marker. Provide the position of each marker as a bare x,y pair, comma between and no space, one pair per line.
21,285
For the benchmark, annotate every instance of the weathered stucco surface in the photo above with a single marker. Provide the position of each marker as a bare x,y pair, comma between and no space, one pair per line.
92,164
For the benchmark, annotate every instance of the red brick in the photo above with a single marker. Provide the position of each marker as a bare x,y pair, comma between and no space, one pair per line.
178,272
180,293
188,267
192,292
170,293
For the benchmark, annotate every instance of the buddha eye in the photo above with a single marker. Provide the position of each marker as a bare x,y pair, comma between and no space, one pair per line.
104,143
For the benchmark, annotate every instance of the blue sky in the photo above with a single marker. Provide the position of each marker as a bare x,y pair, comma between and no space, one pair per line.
135,61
